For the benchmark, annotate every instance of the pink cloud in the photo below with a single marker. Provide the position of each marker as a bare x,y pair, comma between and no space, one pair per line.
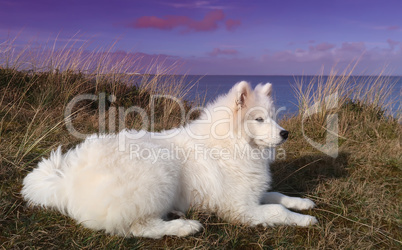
323,47
353,47
304,60
208,23
393,43
393,27
323,52
309,42
232,24
390,28
168,23
217,52
196,5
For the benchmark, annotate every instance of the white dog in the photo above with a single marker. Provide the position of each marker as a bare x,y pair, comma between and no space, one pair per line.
127,183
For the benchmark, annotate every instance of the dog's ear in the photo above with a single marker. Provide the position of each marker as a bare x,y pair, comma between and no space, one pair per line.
266,89
243,91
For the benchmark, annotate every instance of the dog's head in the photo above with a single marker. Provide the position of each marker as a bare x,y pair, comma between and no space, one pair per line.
255,115
243,113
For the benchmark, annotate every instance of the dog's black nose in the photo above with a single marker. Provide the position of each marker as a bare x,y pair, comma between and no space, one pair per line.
284,134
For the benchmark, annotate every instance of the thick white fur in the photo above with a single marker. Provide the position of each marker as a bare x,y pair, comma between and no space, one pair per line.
126,193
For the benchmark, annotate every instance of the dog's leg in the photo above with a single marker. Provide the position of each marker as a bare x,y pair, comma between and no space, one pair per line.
287,201
276,214
157,228
174,215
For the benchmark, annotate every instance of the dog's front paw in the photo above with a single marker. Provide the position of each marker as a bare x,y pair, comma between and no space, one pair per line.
305,204
190,227
300,204
306,221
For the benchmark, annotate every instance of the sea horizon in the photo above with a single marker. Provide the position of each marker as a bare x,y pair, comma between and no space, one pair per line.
208,87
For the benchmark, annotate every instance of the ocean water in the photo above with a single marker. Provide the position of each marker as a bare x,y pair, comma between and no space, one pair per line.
212,86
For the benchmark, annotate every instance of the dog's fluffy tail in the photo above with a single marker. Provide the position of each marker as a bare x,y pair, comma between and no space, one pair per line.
43,186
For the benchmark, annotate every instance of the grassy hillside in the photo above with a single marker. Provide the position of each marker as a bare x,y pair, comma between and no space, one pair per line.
358,194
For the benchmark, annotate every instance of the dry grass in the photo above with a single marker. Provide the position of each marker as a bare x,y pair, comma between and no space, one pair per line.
358,193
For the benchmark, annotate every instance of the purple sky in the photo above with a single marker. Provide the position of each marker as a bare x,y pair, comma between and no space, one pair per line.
224,37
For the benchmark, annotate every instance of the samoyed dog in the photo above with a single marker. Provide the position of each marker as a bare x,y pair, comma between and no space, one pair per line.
128,183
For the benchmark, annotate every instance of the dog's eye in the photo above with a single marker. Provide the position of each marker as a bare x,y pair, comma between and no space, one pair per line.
259,119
